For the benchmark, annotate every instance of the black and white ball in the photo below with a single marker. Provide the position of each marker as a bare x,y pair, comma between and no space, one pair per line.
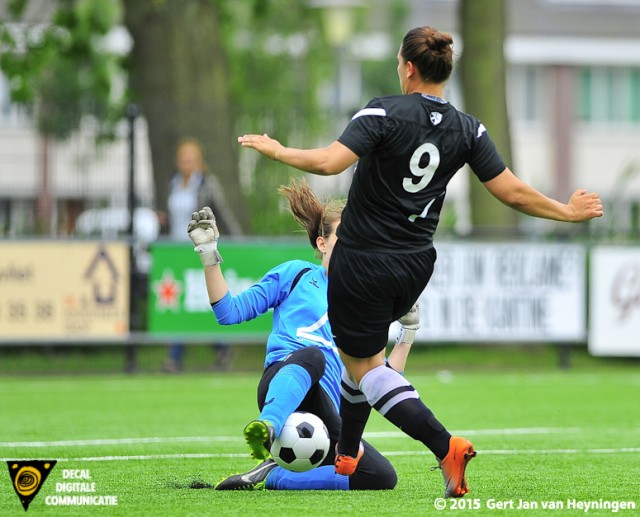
303,443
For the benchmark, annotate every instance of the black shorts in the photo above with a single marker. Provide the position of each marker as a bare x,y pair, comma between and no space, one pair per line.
370,290
374,471
316,401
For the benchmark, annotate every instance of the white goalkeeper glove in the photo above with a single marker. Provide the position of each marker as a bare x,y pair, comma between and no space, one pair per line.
409,324
204,234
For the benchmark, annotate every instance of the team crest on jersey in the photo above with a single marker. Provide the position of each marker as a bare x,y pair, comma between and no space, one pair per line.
435,118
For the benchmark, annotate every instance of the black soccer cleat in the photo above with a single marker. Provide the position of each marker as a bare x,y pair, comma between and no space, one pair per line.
252,480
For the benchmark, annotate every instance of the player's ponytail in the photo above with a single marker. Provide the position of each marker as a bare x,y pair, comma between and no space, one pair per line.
315,217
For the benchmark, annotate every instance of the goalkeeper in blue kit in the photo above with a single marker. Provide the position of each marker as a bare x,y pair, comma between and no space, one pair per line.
302,365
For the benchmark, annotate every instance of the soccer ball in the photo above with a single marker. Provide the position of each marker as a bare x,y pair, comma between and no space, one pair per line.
303,443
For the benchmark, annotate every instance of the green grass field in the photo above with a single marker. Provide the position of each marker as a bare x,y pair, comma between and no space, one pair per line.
543,436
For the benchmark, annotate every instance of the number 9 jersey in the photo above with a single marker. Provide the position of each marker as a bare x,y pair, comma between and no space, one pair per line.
409,148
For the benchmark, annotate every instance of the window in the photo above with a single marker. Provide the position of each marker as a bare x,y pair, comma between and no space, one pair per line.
609,94
528,91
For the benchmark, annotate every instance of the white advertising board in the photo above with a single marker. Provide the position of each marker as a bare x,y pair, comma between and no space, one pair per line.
505,292
614,306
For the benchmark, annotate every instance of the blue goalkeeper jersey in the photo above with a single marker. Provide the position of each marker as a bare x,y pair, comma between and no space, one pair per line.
299,316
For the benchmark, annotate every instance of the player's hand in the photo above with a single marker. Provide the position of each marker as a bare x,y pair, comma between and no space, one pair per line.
409,324
204,234
585,205
261,143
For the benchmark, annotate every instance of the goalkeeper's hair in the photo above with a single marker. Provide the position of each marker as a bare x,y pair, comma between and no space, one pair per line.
316,217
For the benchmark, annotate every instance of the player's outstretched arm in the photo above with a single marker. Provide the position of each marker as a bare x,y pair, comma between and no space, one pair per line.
521,196
409,324
204,234
325,161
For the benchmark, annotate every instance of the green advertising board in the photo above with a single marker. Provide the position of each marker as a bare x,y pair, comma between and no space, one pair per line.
178,304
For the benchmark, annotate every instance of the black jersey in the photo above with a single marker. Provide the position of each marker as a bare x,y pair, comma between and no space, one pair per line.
410,146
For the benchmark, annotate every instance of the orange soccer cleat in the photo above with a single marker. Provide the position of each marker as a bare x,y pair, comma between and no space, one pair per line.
347,465
453,465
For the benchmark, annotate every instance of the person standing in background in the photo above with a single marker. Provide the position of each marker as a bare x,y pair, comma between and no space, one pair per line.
191,188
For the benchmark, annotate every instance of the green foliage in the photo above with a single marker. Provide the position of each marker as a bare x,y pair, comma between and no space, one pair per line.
378,77
16,7
278,58
62,71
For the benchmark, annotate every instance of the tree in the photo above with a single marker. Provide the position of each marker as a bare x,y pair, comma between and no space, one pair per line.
483,73
61,70
62,74
278,59
179,74
210,68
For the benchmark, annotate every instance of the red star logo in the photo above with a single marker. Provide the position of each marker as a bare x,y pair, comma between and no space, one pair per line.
168,291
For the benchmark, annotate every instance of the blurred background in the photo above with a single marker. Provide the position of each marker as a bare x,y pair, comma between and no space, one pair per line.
96,96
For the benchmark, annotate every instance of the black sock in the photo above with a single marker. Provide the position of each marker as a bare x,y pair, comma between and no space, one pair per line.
354,411
395,398
419,422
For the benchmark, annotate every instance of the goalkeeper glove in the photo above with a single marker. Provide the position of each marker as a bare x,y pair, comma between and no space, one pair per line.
204,234
409,324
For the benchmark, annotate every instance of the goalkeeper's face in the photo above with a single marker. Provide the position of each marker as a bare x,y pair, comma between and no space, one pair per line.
326,244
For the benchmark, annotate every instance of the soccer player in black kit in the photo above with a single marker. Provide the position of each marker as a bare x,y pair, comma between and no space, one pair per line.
407,147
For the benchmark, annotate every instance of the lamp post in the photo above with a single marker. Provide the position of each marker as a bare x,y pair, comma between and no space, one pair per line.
132,112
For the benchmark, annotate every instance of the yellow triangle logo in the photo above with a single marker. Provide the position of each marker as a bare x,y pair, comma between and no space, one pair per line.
28,477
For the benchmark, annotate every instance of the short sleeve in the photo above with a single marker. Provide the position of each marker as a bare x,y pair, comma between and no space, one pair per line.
484,160
366,130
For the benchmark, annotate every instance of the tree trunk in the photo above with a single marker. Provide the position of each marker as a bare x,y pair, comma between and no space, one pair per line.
483,73
180,78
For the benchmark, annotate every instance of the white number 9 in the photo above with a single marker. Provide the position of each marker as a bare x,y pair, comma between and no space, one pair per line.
424,173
